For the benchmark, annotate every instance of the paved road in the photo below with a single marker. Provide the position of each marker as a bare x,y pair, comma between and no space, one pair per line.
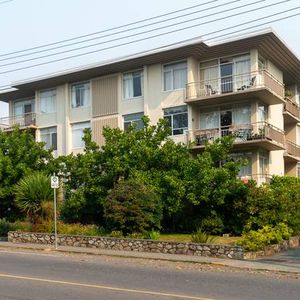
30,275
290,259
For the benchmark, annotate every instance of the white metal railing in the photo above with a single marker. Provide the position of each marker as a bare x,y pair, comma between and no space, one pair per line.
234,83
24,120
259,178
241,133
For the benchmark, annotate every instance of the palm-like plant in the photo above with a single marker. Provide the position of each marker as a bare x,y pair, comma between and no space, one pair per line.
34,196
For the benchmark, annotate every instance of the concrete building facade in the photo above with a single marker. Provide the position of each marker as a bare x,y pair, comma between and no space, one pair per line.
247,87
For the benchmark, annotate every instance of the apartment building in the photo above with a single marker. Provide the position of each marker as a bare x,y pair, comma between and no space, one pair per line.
248,87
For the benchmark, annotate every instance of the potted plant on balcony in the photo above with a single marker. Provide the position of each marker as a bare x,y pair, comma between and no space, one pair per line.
288,94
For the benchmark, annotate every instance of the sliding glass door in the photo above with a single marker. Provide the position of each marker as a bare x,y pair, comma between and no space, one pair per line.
226,69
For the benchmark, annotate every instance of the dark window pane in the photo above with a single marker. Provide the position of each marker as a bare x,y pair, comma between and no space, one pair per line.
126,125
137,86
54,141
177,131
139,124
180,121
226,118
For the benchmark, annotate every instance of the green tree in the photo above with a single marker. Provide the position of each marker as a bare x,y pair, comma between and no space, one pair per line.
209,178
133,207
20,154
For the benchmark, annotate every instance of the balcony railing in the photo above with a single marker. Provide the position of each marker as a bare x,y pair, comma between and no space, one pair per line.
234,84
292,149
241,133
259,178
25,120
292,108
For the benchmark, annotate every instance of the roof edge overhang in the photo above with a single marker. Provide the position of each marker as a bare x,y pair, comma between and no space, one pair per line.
267,42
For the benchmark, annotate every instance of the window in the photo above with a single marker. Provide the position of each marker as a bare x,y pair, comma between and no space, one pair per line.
23,107
246,169
222,117
49,136
80,95
175,76
133,84
263,163
177,118
226,75
133,119
48,101
262,113
77,134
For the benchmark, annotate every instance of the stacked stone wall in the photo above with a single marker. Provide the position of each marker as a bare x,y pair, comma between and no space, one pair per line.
122,244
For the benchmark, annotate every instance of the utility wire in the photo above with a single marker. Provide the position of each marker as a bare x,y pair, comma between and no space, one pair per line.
155,29
112,28
131,42
139,27
3,2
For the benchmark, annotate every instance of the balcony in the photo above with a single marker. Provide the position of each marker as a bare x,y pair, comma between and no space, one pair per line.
249,136
259,178
27,120
292,153
259,84
291,112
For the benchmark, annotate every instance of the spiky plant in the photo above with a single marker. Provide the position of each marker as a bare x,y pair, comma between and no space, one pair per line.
34,195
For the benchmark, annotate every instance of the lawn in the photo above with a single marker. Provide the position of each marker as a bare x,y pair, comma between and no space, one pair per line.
187,238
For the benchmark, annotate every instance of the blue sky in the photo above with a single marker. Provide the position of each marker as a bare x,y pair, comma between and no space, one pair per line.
29,23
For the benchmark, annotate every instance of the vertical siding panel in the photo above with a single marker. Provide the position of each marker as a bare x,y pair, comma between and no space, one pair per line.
97,127
105,96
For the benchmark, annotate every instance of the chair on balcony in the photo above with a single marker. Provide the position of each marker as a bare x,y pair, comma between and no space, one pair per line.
247,86
210,90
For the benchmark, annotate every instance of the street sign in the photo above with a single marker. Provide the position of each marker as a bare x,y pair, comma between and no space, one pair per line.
55,185
54,182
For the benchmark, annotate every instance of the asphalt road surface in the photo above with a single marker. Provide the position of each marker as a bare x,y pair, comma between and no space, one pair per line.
35,275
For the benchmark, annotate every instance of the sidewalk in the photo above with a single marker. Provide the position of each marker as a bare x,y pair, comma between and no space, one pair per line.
264,264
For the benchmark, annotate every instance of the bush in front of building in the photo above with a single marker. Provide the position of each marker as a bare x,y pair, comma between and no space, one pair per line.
133,207
267,235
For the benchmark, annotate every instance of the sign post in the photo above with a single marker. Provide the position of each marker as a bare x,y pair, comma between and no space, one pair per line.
55,185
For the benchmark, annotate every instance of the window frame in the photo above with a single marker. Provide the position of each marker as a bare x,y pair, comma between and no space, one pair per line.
142,84
79,129
172,118
163,76
136,120
88,102
54,102
51,133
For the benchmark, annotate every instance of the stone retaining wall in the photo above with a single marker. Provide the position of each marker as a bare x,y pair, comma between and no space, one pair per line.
293,242
223,251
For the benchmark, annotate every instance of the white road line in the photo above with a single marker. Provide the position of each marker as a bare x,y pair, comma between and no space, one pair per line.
103,287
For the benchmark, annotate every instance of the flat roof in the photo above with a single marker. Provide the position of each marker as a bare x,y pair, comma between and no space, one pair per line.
266,42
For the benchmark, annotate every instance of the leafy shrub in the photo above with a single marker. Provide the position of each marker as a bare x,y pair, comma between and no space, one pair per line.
33,195
24,226
202,237
43,226
213,224
268,235
132,207
72,208
152,235
79,229
6,226
135,235
116,234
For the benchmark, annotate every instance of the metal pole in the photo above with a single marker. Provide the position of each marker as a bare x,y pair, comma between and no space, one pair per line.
55,221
